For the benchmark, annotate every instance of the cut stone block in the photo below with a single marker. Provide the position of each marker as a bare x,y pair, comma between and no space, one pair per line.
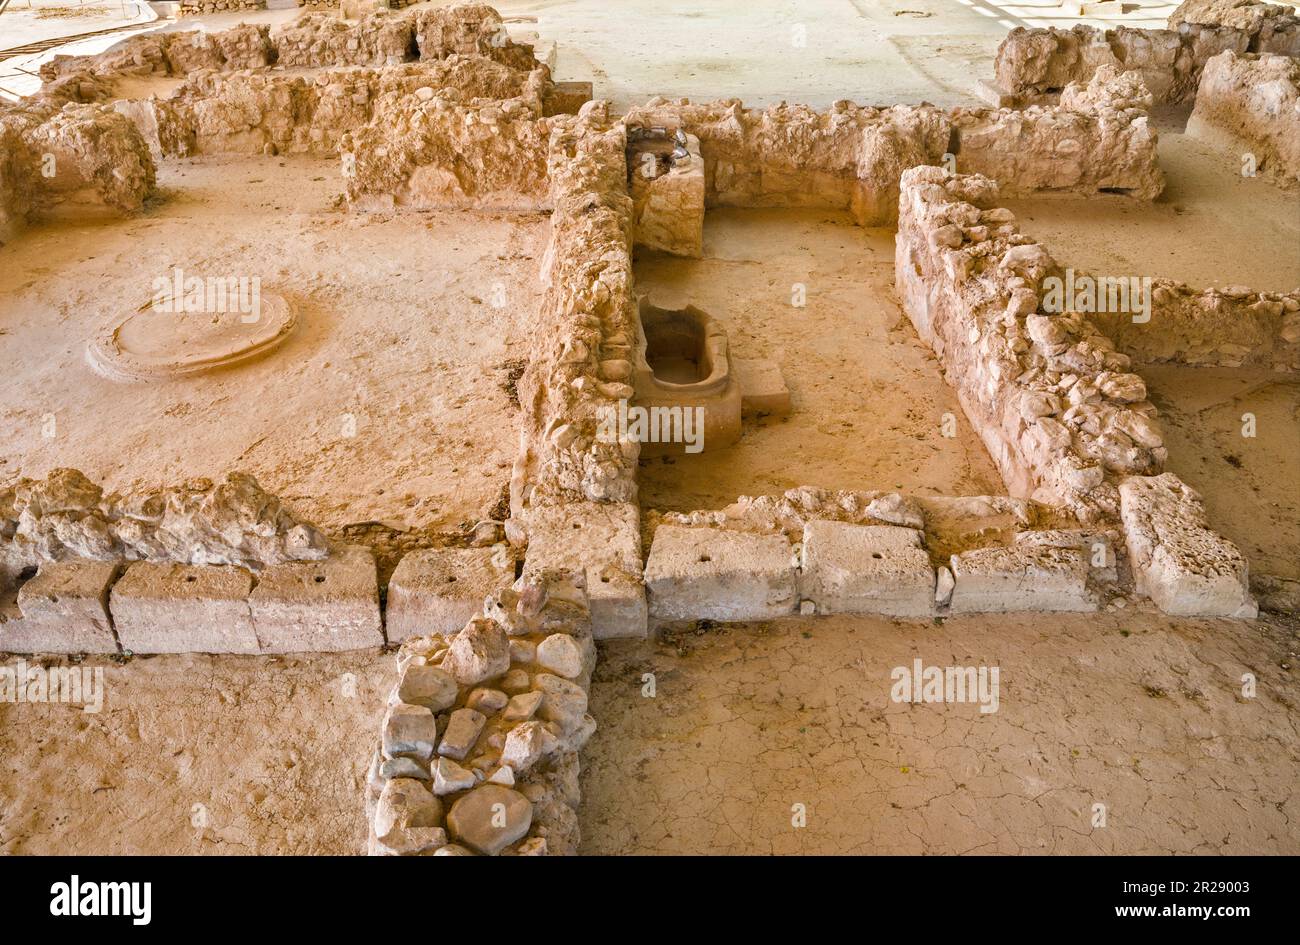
602,541
183,608
63,609
319,606
711,574
1023,577
866,569
618,603
762,388
1177,560
438,590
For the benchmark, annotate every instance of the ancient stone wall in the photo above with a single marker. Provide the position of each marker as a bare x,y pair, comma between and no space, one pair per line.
56,152
1253,103
1097,140
204,7
1032,65
848,157
268,111
1058,409
431,152
585,324
479,746
312,40
1229,327
66,516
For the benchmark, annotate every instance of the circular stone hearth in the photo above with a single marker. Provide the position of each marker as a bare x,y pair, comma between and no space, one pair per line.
149,344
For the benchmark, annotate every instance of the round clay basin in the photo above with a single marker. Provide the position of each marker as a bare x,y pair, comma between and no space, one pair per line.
155,345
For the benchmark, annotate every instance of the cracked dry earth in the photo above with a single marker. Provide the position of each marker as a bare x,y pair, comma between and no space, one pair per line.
1131,710
275,750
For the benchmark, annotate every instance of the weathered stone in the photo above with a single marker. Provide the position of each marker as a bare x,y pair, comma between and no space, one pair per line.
1176,559
410,730
1020,578
438,590
449,777
405,803
522,706
319,606
866,569
701,573
524,746
463,729
181,608
487,701
563,702
479,652
561,654
490,818
428,686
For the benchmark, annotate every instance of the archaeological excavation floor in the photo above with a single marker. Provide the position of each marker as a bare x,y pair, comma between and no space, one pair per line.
868,396
747,721
385,405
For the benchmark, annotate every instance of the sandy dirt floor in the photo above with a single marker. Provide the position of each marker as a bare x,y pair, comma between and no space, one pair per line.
1131,710
868,396
198,755
390,402
1211,226
1250,484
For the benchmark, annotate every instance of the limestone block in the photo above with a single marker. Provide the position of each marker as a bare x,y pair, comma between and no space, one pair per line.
183,608
63,609
1177,560
702,573
437,590
319,606
618,603
991,580
762,388
866,569
601,540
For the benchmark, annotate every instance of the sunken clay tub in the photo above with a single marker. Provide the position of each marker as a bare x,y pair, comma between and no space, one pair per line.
682,361
151,345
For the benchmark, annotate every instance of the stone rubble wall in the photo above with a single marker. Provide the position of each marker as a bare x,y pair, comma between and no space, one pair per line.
175,53
268,111
851,157
1253,102
848,157
313,40
1248,15
1032,65
1097,140
66,516
94,155
586,324
479,746
1230,327
204,7
430,152
1058,409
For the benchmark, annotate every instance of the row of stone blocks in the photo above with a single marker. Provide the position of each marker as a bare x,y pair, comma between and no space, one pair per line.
150,607
840,567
